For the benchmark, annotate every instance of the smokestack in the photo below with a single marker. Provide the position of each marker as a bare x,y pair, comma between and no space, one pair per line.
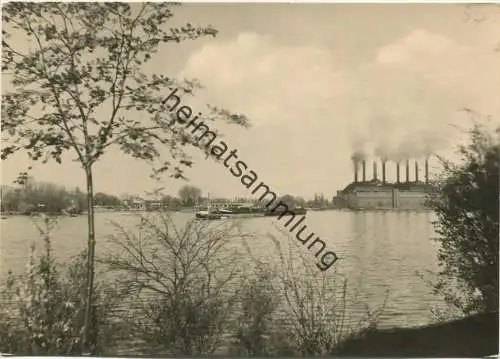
383,171
426,171
407,171
397,172
374,170
364,170
356,168
416,171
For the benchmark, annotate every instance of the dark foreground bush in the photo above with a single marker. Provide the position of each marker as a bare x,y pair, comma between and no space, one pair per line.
475,336
465,200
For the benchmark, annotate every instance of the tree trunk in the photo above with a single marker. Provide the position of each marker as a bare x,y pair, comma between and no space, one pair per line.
88,320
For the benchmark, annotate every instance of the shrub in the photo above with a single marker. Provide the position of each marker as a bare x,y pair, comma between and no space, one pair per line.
465,200
183,280
311,316
42,309
258,303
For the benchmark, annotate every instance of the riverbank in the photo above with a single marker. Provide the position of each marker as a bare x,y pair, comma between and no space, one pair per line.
472,337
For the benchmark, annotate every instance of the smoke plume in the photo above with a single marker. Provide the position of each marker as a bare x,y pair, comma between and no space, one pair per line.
359,143
391,140
358,156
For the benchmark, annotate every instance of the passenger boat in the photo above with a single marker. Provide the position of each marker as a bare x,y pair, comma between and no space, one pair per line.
239,211
208,214
245,211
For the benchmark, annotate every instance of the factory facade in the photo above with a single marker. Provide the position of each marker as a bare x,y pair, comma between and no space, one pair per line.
375,193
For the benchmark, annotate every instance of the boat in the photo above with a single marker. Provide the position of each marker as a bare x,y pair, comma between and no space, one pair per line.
70,213
240,211
208,214
275,213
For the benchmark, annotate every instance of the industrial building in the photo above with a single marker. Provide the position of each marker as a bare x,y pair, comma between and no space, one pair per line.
375,193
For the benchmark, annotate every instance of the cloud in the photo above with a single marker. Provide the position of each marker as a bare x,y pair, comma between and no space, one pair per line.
269,82
414,85
461,69
420,49
414,89
310,112
289,94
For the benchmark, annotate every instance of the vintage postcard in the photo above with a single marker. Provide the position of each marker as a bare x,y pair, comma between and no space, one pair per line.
249,179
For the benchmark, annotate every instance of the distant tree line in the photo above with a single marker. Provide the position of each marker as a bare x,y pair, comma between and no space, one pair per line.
33,196
106,200
319,201
37,197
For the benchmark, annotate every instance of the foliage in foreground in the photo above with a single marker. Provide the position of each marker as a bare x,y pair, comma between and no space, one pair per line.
182,276
42,310
311,313
465,200
188,291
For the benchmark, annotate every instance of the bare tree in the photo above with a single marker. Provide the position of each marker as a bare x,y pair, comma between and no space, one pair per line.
183,277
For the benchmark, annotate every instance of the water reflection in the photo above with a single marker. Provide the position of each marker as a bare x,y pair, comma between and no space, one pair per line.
379,251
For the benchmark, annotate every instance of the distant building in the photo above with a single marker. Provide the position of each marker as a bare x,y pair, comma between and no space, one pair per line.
154,205
134,204
380,194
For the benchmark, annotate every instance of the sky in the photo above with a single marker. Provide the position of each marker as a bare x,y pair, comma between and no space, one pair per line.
318,82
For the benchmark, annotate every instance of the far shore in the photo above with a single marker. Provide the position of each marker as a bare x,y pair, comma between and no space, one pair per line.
6,215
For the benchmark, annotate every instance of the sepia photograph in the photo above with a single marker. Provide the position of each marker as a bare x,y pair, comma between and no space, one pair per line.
243,179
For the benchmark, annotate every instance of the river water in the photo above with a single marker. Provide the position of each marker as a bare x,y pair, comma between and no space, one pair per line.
381,252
